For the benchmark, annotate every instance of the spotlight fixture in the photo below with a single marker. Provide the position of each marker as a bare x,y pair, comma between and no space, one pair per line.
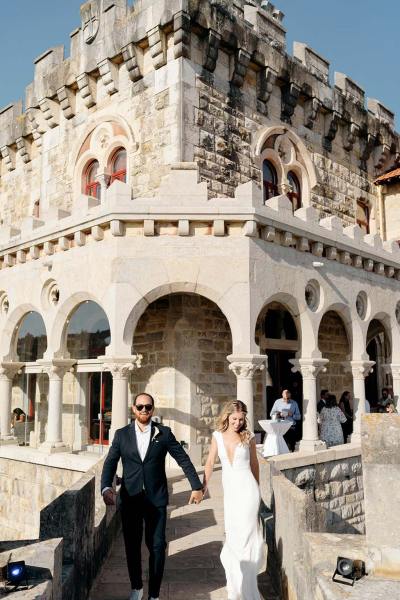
349,570
317,264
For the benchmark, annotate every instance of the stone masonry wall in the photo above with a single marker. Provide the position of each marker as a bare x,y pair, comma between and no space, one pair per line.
25,489
337,487
334,345
184,340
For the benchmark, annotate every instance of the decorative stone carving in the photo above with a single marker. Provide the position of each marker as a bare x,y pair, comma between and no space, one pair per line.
290,98
121,370
211,50
266,79
129,54
311,109
285,149
362,305
351,136
37,131
23,147
367,145
4,303
109,75
66,98
157,47
312,295
245,370
333,125
8,156
87,89
182,34
50,110
242,60
359,368
90,21
309,368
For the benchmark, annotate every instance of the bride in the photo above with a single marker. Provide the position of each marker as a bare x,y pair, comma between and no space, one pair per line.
243,554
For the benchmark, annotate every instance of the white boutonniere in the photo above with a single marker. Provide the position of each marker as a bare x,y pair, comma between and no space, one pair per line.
155,434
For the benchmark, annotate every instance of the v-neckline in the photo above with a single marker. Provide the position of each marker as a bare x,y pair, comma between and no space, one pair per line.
226,451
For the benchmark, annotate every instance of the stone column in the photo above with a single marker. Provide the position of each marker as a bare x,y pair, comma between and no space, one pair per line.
309,369
7,372
244,366
120,368
360,369
55,370
103,179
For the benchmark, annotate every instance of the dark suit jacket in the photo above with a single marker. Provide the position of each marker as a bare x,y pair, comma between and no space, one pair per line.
320,405
148,474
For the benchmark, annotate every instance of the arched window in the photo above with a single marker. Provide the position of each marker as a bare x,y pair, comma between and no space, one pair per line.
270,180
88,332
118,165
91,187
295,193
32,338
362,215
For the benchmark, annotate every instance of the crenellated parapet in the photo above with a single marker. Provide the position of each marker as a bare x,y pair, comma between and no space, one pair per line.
114,37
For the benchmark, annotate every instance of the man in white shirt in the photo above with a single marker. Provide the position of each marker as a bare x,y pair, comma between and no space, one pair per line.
143,446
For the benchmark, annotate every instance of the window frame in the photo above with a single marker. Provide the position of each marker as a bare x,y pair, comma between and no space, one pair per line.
91,186
294,197
121,174
270,188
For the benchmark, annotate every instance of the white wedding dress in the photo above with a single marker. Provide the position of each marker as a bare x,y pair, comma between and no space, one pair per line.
243,555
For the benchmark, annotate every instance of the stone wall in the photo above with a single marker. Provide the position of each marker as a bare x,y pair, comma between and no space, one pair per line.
333,480
25,489
334,345
184,340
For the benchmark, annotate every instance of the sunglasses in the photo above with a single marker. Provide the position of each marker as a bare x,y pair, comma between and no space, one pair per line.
146,407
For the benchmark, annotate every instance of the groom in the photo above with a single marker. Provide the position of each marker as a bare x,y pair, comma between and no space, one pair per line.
143,446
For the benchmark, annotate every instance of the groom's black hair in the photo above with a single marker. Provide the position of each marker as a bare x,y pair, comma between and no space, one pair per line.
143,394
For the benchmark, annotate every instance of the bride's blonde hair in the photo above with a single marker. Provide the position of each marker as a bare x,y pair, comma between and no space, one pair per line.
228,410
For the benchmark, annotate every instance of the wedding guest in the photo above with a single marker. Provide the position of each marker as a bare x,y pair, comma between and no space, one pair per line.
322,400
345,407
391,409
288,409
331,418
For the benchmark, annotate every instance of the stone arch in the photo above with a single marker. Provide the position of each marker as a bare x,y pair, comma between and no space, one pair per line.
278,335
8,338
300,160
335,344
57,339
184,287
379,349
184,339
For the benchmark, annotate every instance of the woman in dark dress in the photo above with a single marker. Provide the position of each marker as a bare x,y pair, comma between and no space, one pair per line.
345,406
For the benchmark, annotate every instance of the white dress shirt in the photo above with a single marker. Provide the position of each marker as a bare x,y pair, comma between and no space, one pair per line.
143,439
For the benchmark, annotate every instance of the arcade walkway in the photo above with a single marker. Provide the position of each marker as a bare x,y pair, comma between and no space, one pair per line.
193,570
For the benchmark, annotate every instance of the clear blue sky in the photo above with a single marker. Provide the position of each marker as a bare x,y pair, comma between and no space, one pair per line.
359,37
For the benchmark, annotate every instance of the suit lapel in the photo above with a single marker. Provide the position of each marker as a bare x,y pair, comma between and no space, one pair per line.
133,440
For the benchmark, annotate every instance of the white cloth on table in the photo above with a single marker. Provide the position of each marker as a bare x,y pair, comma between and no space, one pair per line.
274,443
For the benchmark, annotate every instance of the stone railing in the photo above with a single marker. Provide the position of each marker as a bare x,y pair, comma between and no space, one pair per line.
75,534
180,212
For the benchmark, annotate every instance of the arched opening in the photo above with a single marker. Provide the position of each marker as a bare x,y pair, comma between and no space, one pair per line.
334,344
184,339
277,336
270,180
87,337
118,165
295,190
90,186
31,344
378,350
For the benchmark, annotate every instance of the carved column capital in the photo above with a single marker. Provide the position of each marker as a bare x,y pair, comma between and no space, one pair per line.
309,368
244,366
9,369
57,368
121,367
359,368
394,369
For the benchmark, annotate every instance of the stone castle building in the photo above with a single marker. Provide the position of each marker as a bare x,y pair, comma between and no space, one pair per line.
181,198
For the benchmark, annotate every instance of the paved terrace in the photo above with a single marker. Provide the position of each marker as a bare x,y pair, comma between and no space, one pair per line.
193,569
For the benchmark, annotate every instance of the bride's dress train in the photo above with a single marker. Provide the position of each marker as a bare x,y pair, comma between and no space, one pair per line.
243,555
